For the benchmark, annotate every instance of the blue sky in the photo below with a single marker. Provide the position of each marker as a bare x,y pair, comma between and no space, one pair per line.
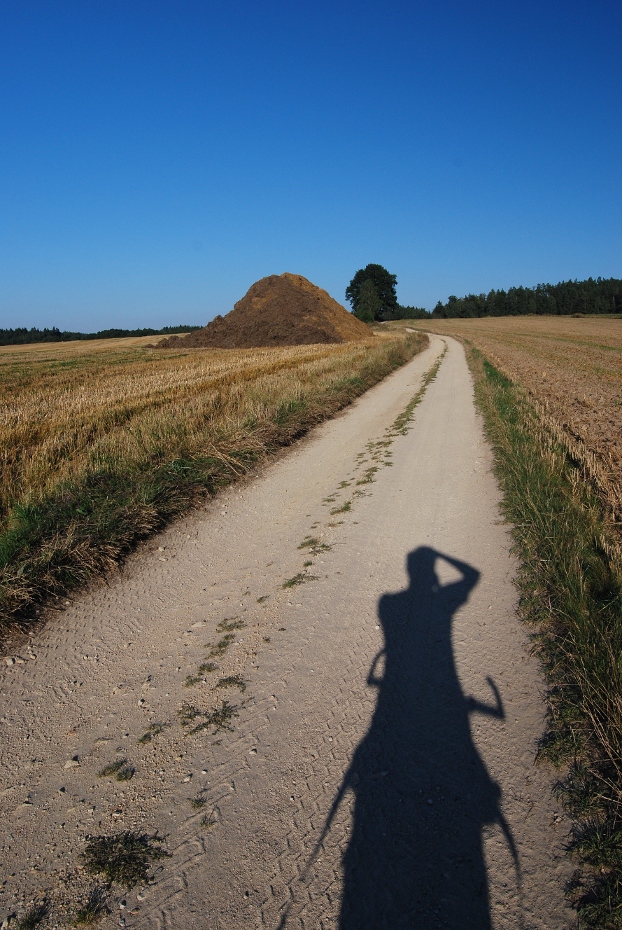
157,158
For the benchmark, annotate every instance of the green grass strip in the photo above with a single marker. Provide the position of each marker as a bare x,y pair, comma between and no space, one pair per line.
570,585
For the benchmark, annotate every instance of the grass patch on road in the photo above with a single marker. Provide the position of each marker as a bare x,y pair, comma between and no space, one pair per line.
97,456
124,858
570,586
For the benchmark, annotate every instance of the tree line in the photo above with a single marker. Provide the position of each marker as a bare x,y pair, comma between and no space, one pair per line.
600,295
23,336
372,294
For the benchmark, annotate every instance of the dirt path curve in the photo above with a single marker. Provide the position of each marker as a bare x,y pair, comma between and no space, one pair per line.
370,761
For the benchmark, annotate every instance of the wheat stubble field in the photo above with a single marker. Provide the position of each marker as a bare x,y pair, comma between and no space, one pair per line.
102,442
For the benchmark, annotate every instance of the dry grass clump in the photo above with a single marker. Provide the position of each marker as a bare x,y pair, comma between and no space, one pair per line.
101,445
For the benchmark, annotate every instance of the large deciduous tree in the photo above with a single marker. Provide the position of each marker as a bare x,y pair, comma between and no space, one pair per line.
369,304
384,285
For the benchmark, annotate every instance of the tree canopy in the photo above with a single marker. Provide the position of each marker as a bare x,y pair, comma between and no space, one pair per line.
598,295
384,284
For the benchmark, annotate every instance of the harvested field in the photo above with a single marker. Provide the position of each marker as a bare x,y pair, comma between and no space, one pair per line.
572,368
100,444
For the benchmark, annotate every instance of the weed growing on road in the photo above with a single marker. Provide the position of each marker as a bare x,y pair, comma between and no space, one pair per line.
124,858
120,769
403,421
300,578
345,508
229,624
94,907
232,681
219,719
154,730
314,545
368,477
571,592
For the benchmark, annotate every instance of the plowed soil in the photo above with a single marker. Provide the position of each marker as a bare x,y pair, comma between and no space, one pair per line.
280,310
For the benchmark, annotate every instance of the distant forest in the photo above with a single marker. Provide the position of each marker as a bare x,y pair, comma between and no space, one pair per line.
591,296
22,336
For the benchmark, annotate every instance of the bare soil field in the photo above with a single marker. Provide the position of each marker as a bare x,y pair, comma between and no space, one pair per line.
572,367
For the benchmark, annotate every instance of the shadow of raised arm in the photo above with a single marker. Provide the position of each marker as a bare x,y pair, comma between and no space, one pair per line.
478,707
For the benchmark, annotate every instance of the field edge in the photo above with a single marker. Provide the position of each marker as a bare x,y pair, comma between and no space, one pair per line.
59,543
570,595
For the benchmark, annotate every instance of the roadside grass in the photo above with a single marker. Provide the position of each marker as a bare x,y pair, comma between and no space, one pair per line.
570,585
99,454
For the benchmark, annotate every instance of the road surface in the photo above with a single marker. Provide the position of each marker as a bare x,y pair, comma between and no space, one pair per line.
350,614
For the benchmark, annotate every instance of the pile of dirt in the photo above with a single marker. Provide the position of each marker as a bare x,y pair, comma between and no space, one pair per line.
280,310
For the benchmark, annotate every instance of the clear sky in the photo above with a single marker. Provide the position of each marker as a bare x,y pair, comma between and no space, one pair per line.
158,157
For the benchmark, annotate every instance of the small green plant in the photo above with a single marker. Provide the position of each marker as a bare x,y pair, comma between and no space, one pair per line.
300,578
227,625
208,821
307,564
232,681
124,858
218,719
93,908
314,544
120,768
347,506
198,802
218,649
125,773
154,730
368,477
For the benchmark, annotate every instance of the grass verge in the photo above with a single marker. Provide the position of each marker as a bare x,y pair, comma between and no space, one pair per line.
136,470
570,585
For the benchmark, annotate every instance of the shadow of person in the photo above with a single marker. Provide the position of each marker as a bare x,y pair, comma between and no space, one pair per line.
422,792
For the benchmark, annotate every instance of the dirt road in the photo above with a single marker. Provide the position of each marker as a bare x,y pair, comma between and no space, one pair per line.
321,688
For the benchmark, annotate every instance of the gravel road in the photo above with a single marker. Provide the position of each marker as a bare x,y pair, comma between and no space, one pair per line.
319,694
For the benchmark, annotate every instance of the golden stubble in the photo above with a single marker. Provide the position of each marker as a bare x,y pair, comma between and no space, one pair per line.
71,408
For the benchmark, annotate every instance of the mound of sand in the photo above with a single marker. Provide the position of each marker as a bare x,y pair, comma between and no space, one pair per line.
280,310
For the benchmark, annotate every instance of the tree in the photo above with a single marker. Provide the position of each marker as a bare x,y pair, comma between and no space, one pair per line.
369,304
384,284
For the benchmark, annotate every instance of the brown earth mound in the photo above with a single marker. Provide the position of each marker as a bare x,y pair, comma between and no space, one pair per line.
280,310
